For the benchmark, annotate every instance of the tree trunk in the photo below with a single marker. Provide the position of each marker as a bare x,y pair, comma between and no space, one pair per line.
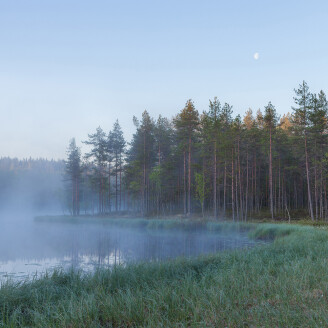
144,179
189,177
236,195
116,185
321,191
308,178
184,185
77,197
246,197
315,191
232,188
203,187
120,203
240,185
270,178
109,199
159,192
224,187
279,190
255,186
214,184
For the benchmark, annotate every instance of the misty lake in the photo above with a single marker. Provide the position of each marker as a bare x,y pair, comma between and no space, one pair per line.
29,249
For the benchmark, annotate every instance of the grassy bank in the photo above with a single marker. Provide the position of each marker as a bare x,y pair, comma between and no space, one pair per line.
281,284
167,223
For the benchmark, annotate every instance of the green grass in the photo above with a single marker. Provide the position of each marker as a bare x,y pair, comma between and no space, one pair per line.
282,284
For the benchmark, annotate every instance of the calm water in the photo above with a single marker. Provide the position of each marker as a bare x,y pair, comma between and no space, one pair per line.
30,248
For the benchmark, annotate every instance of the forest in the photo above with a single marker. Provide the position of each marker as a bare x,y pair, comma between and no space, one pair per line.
32,184
211,163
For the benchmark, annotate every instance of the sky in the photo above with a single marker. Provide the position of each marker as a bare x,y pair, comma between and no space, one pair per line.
67,67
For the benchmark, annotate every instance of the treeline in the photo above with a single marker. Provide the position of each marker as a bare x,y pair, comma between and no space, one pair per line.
35,184
210,162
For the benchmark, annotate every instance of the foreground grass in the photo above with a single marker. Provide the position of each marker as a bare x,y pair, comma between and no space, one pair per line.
283,284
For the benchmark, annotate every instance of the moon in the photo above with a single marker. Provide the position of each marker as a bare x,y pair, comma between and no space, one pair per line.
256,56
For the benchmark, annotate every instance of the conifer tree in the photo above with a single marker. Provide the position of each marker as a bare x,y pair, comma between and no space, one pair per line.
163,137
214,130
116,144
186,124
270,121
99,158
227,145
318,136
141,158
73,173
249,119
301,124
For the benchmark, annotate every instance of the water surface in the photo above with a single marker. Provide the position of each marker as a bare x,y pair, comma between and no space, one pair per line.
29,248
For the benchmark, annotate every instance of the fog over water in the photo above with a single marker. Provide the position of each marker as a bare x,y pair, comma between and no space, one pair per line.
29,248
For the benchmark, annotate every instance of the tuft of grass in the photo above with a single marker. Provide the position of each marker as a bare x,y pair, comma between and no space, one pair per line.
282,284
272,231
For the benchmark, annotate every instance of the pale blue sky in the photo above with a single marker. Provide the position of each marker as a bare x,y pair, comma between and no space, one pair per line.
67,67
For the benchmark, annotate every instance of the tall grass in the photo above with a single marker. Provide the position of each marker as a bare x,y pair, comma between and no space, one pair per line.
282,284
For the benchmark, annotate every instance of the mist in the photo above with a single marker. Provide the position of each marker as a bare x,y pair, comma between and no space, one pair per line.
34,185
32,244
30,247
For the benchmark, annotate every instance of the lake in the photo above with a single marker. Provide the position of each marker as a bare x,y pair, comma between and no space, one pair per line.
29,249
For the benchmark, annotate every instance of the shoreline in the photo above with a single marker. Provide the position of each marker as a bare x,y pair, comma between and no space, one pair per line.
284,283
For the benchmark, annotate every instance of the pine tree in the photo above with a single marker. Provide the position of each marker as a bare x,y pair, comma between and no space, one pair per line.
214,130
250,137
317,135
301,123
99,159
73,173
286,122
141,157
227,148
163,137
186,124
270,122
249,119
116,144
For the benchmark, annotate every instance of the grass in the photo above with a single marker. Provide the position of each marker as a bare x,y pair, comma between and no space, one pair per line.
282,284
151,224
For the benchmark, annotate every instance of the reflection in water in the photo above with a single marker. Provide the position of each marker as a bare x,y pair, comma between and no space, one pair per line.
42,247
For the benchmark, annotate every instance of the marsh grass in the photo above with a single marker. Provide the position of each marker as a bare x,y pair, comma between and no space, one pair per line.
151,224
282,284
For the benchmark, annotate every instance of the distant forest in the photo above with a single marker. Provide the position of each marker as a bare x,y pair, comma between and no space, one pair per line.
212,162
35,184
